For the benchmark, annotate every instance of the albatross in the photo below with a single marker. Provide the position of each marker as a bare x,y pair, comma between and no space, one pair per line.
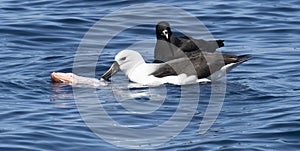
168,46
198,67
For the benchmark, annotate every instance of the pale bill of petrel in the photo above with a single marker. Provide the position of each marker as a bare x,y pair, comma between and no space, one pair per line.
168,46
201,67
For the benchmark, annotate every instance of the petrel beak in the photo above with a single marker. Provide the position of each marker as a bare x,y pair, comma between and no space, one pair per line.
115,67
165,33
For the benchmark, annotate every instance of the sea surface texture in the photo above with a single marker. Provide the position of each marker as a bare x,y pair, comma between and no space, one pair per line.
255,107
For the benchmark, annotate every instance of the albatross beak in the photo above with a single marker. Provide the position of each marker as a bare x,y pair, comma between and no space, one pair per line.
115,67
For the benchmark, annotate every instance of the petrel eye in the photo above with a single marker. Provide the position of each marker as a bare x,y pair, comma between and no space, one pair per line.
165,32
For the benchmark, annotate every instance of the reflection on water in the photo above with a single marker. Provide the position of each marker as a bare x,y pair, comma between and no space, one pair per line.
142,100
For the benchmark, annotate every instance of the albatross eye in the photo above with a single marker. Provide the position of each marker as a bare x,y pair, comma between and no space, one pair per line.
123,58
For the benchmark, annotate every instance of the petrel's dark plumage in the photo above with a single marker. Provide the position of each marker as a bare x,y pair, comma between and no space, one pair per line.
169,47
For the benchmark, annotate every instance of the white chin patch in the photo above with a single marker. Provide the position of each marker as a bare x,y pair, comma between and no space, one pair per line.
165,33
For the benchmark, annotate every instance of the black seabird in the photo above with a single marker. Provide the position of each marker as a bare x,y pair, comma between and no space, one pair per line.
169,47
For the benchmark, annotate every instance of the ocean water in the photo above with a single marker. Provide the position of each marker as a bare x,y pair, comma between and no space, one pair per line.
257,105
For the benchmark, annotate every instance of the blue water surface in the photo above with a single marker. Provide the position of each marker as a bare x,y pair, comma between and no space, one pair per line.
261,109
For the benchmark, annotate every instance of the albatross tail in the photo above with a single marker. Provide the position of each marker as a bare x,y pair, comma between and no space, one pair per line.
225,69
243,58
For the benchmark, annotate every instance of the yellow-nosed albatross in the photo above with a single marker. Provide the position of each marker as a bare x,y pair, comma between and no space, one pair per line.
169,47
188,70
